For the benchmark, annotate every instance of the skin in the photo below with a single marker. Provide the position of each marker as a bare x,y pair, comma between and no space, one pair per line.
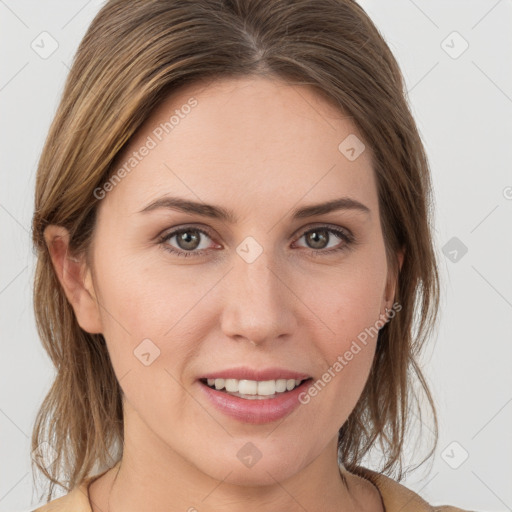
260,148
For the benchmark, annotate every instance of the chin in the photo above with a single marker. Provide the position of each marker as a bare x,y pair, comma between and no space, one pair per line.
248,466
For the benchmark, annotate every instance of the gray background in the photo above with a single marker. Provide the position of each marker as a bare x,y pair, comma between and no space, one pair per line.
462,101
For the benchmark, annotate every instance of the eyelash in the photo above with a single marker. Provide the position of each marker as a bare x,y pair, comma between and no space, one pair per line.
347,238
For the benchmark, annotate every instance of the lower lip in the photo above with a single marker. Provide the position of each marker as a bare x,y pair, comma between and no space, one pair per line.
255,411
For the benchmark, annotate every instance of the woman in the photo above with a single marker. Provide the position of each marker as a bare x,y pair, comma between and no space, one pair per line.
233,230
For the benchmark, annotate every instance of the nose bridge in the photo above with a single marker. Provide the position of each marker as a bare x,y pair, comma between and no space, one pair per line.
258,306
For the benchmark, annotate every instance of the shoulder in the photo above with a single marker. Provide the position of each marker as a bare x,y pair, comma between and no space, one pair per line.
76,500
396,497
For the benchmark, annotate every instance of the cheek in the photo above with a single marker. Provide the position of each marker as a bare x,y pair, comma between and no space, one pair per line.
150,315
358,307
145,297
347,355
348,309
349,300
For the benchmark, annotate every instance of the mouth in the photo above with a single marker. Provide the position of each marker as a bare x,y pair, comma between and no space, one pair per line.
252,389
254,402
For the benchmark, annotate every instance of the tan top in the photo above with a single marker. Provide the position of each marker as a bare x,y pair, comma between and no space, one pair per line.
395,496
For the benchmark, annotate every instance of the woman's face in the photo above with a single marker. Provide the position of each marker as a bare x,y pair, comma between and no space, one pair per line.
262,287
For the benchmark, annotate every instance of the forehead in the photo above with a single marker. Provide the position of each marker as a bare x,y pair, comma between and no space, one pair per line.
250,139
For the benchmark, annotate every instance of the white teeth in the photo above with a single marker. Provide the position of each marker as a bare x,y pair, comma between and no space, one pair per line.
231,385
253,387
266,387
246,387
281,385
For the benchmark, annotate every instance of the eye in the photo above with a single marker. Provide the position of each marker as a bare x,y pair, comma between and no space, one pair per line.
191,241
321,239
188,240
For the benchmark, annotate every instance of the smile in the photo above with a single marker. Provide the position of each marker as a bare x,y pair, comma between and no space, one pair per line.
254,408
253,388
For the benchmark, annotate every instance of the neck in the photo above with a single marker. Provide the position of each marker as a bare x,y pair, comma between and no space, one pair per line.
152,476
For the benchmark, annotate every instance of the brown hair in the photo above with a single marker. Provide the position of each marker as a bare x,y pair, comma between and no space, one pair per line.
133,54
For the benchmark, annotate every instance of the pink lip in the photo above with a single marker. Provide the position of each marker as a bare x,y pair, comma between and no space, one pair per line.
255,411
245,373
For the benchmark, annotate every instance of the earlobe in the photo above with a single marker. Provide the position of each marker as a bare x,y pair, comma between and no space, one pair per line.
391,285
400,255
75,279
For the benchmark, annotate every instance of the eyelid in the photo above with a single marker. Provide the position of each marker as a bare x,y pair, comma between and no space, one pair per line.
343,233
207,231
319,225
172,232
168,232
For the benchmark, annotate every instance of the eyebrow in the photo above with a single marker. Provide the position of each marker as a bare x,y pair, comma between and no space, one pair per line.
218,212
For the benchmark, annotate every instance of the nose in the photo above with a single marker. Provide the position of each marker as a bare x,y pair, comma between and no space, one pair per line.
258,306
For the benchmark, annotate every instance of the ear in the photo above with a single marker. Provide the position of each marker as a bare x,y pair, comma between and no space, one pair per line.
392,280
75,278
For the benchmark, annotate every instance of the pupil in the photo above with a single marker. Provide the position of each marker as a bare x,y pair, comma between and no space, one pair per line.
323,238
188,242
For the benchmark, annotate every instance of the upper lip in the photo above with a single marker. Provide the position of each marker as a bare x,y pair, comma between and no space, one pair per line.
246,373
